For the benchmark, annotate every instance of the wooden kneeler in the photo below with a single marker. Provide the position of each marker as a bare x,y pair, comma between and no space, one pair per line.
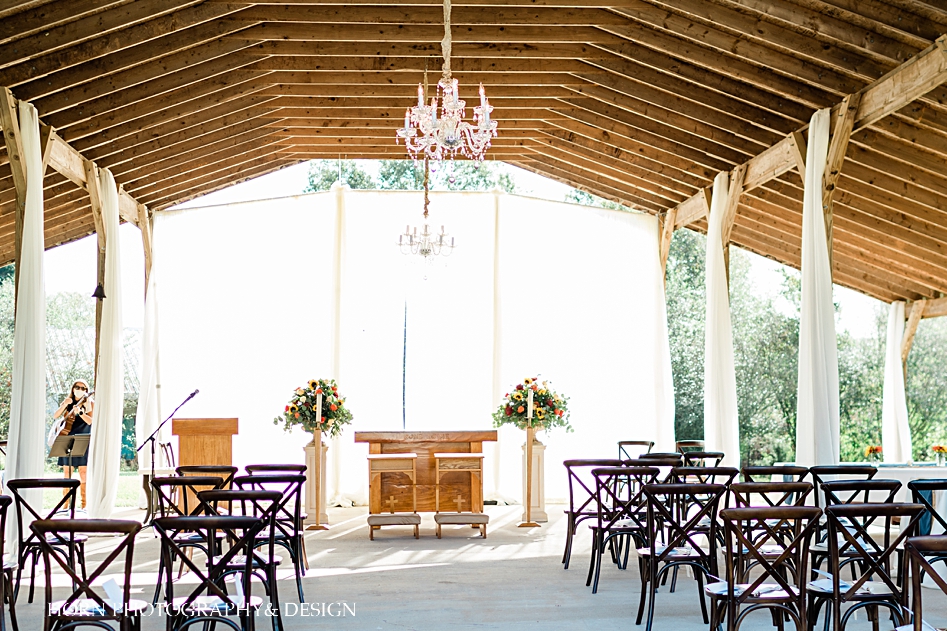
471,463
379,464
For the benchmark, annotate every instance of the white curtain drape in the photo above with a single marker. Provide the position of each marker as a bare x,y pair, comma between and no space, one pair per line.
817,415
26,447
895,431
106,443
583,317
721,418
148,415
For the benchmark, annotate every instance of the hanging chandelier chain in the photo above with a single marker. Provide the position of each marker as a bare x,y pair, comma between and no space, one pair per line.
427,175
446,43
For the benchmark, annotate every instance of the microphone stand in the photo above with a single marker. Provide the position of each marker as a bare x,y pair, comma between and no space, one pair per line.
154,435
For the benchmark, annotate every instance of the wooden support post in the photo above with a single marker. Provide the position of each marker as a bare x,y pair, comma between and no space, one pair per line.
799,153
667,233
95,198
11,136
844,122
730,214
914,319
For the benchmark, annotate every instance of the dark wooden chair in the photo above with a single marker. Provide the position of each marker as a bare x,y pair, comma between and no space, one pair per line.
84,606
263,505
288,533
9,567
875,584
678,533
773,541
703,458
177,497
225,472
634,448
30,550
923,552
208,601
621,520
582,506
268,469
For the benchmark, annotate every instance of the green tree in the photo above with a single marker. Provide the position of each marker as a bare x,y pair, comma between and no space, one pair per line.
575,196
7,272
6,354
401,175
451,175
324,173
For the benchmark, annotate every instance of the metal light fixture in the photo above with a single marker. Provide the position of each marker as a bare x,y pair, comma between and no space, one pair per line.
427,244
444,137
99,293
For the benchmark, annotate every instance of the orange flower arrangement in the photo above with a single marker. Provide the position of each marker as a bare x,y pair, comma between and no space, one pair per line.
549,409
301,409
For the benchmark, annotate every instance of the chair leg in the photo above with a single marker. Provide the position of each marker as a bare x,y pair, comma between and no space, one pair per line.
598,569
595,552
699,575
302,549
674,582
570,532
154,601
644,570
652,591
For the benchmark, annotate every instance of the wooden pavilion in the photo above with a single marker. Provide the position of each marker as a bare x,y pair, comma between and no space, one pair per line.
637,101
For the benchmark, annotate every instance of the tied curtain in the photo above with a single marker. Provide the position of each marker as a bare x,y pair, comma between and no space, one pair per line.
817,415
106,443
895,431
27,445
721,419
570,292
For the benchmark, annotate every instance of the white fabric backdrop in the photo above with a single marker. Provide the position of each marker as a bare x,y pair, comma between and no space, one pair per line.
247,312
721,418
895,431
817,416
27,444
106,444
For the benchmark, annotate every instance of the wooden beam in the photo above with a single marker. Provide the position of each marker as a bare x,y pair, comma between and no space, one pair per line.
914,319
799,153
733,200
667,233
694,208
903,85
14,143
95,197
844,121
933,308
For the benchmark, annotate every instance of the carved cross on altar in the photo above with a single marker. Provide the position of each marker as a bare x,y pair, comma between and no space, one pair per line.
391,503
459,501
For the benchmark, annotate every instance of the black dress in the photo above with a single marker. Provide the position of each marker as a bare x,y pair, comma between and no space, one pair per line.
78,427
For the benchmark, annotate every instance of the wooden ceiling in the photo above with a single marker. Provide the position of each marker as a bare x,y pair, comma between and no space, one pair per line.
638,101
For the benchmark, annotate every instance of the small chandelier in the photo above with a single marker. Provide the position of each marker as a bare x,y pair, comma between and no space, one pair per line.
438,137
427,244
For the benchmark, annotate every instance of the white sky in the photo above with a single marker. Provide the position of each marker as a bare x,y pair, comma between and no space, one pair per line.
71,267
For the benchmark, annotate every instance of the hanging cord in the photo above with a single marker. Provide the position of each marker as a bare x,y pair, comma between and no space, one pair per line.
446,42
427,172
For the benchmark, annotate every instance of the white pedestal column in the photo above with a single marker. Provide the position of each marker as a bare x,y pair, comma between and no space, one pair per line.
316,481
538,512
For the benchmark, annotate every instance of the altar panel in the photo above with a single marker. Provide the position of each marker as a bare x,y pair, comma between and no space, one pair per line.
458,489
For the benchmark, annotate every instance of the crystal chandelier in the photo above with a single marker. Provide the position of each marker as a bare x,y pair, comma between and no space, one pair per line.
444,136
427,244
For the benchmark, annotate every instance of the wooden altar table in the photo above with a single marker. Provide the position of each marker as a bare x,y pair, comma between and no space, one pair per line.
458,488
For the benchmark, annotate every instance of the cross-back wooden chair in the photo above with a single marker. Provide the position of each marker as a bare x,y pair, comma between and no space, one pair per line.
773,540
582,504
689,445
288,522
84,606
850,543
269,469
621,520
262,505
922,492
836,473
177,497
225,472
784,473
634,448
9,567
663,461
29,543
679,535
703,458
923,552
209,601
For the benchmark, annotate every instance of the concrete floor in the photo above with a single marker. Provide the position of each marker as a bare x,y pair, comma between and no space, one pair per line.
511,580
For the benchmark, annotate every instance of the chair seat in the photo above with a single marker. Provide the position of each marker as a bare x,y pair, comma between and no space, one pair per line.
210,604
240,560
869,588
89,607
681,552
766,590
56,539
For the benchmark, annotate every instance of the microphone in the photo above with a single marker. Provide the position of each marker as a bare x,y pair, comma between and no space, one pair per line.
192,395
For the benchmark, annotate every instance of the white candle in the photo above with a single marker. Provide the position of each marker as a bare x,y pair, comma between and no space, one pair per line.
420,95
319,407
529,404
452,242
407,119
483,96
455,91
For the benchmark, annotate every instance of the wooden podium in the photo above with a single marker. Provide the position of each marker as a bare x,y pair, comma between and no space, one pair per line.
205,440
